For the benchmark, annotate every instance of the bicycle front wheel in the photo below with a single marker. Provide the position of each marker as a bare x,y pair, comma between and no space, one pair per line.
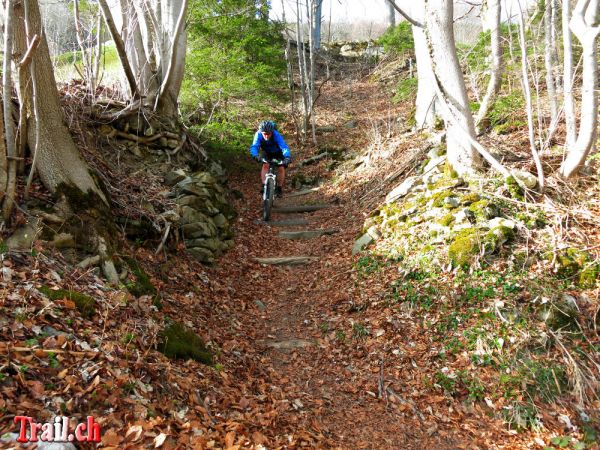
268,199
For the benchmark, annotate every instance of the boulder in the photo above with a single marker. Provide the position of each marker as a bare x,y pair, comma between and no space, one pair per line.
401,190
529,180
202,254
174,177
23,238
197,230
362,242
220,221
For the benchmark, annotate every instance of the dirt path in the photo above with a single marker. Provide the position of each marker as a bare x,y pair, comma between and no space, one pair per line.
332,367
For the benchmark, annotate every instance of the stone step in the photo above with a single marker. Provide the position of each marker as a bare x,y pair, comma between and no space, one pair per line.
298,208
302,192
287,260
306,234
287,223
290,344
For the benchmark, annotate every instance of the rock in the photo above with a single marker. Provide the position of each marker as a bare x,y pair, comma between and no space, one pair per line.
290,344
434,163
178,341
464,215
401,190
350,124
55,446
501,222
220,221
202,229
212,244
528,179
326,129
451,202
204,178
217,171
172,143
260,305
174,177
23,238
287,260
196,189
63,240
362,242
228,244
435,153
202,254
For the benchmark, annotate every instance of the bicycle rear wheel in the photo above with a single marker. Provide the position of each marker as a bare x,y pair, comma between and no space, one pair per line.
268,199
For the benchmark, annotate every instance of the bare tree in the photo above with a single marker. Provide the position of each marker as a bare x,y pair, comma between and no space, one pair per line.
583,25
569,103
549,51
491,23
10,179
391,15
440,37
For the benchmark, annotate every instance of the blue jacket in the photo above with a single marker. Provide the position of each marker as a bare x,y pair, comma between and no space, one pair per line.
273,145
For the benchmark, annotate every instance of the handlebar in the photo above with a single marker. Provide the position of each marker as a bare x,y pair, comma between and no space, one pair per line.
275,162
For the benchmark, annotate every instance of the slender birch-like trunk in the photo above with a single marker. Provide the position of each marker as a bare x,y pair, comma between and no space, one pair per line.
583,25
491,23
569,103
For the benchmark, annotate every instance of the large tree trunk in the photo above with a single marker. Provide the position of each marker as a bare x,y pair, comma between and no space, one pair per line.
60,165
583,26
439,23
426,102
491,23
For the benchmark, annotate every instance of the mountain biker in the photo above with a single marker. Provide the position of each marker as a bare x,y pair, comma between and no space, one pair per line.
273,146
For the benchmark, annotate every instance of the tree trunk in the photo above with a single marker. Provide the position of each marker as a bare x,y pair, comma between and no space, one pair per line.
174,58
570,121
426,102
317,20
439,19
9,127
391,15
60,163
583,27
491,23
548,56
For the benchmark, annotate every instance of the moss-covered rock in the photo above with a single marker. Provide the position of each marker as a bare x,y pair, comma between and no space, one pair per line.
178,341
560,316
84,303
514,189
484,210
142,284
575,264
447,220
469,198
465,246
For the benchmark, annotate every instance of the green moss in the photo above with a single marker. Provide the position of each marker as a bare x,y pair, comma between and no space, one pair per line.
532,219
84,303
447,220
439,197
449,171
465,246
588,276
496,237
484,210
178,341
468,199
142,285
514,189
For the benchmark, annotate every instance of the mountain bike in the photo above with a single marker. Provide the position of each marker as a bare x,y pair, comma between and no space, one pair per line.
269,186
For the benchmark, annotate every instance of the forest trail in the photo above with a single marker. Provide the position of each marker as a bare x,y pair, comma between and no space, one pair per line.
324,361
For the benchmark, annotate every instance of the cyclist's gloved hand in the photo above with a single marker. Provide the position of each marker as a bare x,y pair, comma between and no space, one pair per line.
287,161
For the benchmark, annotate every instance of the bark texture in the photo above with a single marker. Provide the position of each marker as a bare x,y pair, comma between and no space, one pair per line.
59,160
442,48
583,27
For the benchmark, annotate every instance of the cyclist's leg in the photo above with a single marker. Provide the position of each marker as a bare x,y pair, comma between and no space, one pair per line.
263,173
281,176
